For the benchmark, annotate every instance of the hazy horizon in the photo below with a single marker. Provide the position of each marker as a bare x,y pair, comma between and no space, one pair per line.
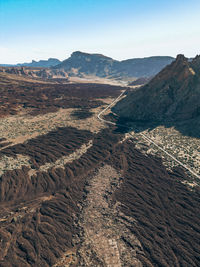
26,61
38,30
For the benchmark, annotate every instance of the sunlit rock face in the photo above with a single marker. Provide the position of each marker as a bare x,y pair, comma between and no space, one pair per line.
173,95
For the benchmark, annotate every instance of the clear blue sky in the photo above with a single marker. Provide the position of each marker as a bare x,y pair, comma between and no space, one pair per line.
39,29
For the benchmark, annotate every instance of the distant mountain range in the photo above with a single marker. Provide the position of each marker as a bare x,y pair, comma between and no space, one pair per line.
36,64
83,64
171,98
38,73
42,63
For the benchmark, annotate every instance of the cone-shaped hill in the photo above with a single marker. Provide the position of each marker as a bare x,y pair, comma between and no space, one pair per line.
171,98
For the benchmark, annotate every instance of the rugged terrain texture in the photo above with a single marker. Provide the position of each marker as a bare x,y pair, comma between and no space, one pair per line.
135,210
105,233
162,208
35,72
171,98
38,98
76,193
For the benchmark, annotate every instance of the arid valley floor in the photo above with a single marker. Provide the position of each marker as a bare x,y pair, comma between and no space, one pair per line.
75,191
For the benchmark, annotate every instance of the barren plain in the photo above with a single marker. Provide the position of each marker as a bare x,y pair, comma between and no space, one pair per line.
75,192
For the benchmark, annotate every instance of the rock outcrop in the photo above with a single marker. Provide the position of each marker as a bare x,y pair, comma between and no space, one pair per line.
41,73
172,96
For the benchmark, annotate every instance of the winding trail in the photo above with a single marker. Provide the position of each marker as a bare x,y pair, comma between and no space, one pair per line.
144,136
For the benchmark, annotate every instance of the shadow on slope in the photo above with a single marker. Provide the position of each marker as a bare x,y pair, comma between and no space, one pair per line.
171,99
189,128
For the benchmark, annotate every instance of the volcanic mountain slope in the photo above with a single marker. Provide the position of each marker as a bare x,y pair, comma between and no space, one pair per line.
172,97
143,67
99,65
88,64
140,81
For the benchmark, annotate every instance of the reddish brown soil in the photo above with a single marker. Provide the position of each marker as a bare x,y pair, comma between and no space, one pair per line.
82,114
50,147
166,211
39,230
38,214
44,98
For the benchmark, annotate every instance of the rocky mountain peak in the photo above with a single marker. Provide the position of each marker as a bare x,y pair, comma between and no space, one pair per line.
171,96
79,54
181,58
195,64
179,70
180,61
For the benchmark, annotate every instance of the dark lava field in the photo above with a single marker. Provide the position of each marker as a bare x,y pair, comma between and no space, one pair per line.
40,214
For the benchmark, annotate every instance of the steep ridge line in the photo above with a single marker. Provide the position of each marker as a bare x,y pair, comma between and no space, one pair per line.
144,136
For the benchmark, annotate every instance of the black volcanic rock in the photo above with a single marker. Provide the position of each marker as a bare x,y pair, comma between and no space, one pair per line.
80,64
172,96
